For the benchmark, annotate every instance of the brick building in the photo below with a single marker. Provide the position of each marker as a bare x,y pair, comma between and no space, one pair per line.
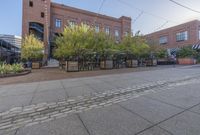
177,36
46,19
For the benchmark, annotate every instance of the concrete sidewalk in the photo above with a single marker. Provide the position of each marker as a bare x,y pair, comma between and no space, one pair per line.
160,102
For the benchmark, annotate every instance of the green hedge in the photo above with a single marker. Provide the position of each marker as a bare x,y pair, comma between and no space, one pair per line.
9,69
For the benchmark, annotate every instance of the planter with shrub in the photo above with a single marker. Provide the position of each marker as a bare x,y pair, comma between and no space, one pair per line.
132,63
7,70
106,64
72,66
32,51
186,56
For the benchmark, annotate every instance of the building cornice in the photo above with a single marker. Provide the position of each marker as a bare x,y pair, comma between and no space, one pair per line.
64,7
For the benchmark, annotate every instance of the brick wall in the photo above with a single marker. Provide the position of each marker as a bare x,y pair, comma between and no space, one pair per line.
192,28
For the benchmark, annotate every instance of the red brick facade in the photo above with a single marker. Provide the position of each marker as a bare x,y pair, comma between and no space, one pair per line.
177,36
44,16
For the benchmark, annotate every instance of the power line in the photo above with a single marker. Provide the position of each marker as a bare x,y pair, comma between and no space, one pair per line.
160,27
99,10
141,10
137,17
101,6
186,7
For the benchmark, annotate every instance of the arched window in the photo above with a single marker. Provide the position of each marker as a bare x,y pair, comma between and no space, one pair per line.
37,29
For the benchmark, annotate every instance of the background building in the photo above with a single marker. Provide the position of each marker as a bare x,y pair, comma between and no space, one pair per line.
12,39
9,53
46,19
177,36
10,46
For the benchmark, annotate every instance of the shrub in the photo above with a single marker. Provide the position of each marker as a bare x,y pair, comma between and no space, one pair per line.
32,48
186,52
7,68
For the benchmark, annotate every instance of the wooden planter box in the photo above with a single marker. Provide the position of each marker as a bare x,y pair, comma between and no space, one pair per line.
187,61
72,66
106,64
165,62
36,65
132,63
162,62
151,62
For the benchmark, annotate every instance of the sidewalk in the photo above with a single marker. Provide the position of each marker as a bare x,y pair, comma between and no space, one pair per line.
57,74
158,102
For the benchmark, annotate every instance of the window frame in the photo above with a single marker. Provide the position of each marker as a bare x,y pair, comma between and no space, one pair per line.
97,28
72,23
107,30
117,35
199,34
30,3
58,23
182,36
42,14
163,40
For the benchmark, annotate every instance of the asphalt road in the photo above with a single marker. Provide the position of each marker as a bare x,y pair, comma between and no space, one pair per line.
159,102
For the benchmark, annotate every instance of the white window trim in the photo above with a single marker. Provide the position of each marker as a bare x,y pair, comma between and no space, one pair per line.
182,36
163,40
58,23
97,28
116,33
107,30
199,34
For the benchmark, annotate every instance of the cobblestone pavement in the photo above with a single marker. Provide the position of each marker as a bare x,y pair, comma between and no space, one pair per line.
169,98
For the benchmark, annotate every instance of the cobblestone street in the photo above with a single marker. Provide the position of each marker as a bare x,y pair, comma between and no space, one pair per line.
156,102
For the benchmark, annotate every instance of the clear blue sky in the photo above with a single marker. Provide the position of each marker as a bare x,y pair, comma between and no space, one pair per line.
156,12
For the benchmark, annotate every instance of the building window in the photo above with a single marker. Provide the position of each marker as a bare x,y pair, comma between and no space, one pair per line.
126,33
42,14
163,40
182,36
86,23
30,4
72,23
107,30
58,23
97,28
199,34
116,33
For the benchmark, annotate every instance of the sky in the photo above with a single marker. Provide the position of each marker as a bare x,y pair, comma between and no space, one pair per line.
147,15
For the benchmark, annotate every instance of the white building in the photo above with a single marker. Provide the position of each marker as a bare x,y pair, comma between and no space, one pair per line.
12,39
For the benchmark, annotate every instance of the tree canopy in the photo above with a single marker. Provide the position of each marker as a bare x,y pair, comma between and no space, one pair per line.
32,48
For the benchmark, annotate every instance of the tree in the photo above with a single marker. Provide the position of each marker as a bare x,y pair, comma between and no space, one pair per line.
186,52
32,48
73,42
135,47
104,45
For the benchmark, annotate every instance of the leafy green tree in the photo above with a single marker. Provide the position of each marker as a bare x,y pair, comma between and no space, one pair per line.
186,52
136,46
104,45
73,42
157,50
32,48
162,53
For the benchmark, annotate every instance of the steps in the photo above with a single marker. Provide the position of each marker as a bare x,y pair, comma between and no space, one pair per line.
52,63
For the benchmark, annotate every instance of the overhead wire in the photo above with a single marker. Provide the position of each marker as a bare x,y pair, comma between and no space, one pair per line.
148,13
184,6
160,27
99,10
141,13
